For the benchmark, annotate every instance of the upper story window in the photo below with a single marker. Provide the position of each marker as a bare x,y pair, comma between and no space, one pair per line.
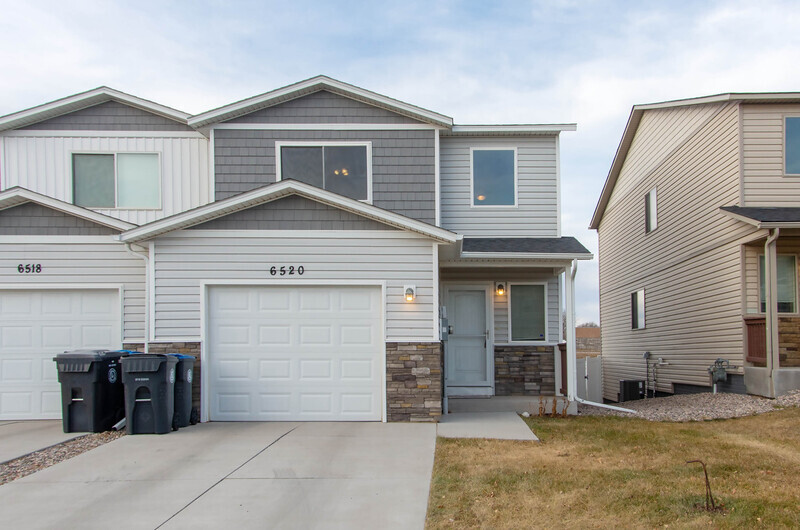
116,180
791,146
527,305
650,211
787,283
494,177
637,309
343,168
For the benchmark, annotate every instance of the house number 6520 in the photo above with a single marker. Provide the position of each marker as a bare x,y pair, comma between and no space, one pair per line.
285,270
30,268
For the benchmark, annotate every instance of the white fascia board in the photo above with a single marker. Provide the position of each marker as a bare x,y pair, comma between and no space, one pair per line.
520,129
312,85
275,191
759,97
59,133
82,101
525,255
742,218
792,224
16,196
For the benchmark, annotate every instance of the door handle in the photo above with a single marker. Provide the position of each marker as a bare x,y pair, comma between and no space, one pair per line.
449,330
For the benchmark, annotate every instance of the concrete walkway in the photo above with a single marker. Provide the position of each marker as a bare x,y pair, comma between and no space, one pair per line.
19,438
237,475
493,425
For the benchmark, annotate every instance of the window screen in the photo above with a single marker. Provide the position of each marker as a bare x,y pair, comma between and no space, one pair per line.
340,169
93,181
138,183
528,320
493,177
787,284
792,146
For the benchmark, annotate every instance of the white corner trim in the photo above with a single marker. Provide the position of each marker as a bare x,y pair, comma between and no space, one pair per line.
437,178
326,126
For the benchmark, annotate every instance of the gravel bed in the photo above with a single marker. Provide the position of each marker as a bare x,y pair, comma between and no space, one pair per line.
696,407
25,465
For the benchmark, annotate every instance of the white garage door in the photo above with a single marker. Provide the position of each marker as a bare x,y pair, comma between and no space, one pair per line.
35,326
295,353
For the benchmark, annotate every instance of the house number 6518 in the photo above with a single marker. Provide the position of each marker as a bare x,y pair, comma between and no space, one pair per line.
285,270
30,268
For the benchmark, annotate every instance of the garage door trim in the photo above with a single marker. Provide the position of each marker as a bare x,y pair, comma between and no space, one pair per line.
205,395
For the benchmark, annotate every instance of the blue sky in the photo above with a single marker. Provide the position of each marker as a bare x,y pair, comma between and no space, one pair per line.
480,62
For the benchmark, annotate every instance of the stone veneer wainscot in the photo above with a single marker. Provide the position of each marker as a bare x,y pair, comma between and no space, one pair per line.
524,371
414,381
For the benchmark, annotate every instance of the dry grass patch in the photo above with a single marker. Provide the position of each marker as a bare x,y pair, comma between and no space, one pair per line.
597,472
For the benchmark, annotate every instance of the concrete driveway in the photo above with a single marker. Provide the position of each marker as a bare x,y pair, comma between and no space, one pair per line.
237,475
18,438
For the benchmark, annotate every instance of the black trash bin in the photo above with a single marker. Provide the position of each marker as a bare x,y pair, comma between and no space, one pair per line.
149,392
92,396
184,370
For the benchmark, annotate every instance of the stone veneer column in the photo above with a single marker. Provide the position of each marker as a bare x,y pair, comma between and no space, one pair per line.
524,370
414,381
186,348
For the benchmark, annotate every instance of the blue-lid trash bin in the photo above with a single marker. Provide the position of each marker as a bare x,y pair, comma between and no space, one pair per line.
92,396
184,371
149,392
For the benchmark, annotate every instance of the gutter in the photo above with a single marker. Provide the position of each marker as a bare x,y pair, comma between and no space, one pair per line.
770,249
146,258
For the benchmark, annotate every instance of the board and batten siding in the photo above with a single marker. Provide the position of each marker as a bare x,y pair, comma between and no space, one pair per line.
79,260
500,303
762,156
536,213
184,259
44,164
690,266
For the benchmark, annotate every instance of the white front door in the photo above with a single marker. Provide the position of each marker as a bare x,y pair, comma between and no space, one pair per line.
295,353
35,326
467,363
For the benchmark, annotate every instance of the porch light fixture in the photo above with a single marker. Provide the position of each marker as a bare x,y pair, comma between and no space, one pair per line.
500,288
410,292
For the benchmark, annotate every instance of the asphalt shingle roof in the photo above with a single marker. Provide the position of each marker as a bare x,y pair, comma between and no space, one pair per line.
766,215
533,245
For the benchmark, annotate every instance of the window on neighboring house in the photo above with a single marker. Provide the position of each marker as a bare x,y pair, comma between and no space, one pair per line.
637,309
527,312
494,177
791,146
342,169
650,211
787,284
116,180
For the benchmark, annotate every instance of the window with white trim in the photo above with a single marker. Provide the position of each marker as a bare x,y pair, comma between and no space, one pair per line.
527,307
787,283
116,180
494,177
650,211
791,145
637,309
340,168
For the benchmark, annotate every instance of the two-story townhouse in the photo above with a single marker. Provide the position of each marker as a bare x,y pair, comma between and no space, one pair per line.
344,225
697,228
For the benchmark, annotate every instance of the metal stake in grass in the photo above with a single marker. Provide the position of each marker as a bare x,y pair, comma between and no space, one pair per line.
711,506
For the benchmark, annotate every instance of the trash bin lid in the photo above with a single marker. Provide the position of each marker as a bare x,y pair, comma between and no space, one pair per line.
146,362
182,356
89,355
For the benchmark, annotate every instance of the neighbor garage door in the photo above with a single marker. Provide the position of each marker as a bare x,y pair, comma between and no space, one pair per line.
295,353
35,325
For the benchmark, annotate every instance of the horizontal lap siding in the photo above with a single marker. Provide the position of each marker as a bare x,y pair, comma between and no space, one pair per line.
690,266
403,162
537,194
182,262
762,155
89,262
44,165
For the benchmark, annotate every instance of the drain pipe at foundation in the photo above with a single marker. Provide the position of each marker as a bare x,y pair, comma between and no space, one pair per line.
572,377
147,296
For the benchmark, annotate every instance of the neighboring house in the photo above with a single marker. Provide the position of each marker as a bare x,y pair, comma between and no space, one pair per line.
303,243
587,341
698,242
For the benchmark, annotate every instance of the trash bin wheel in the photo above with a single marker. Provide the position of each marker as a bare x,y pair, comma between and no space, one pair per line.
194,417
175,422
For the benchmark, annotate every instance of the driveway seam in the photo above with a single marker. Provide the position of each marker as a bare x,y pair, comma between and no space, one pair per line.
228,475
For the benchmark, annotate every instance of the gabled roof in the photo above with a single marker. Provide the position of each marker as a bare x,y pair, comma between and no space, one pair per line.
765,217
309,86
539,129
275,191
84,100
636,116
524,247
17,196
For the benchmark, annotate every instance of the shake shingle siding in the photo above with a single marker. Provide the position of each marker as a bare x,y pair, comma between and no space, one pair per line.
109,116
32,219
403,162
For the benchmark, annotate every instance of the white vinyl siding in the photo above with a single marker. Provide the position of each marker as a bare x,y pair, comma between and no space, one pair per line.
765,182
691,265
184,259
44,164
536,213
80,260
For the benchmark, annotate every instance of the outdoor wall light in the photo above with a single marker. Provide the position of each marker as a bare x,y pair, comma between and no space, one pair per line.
410,292
500,288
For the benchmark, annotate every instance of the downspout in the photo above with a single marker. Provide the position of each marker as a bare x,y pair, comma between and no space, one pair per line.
771,316
146,259
572,361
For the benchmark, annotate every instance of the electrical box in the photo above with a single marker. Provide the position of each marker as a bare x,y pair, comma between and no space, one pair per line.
443,328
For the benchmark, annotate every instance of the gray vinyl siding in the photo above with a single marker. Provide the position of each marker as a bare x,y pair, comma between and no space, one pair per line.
500,303
403,163
184,259
765,183
31,219
323,107
689,267
292,213
536,214
81,260
109,116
